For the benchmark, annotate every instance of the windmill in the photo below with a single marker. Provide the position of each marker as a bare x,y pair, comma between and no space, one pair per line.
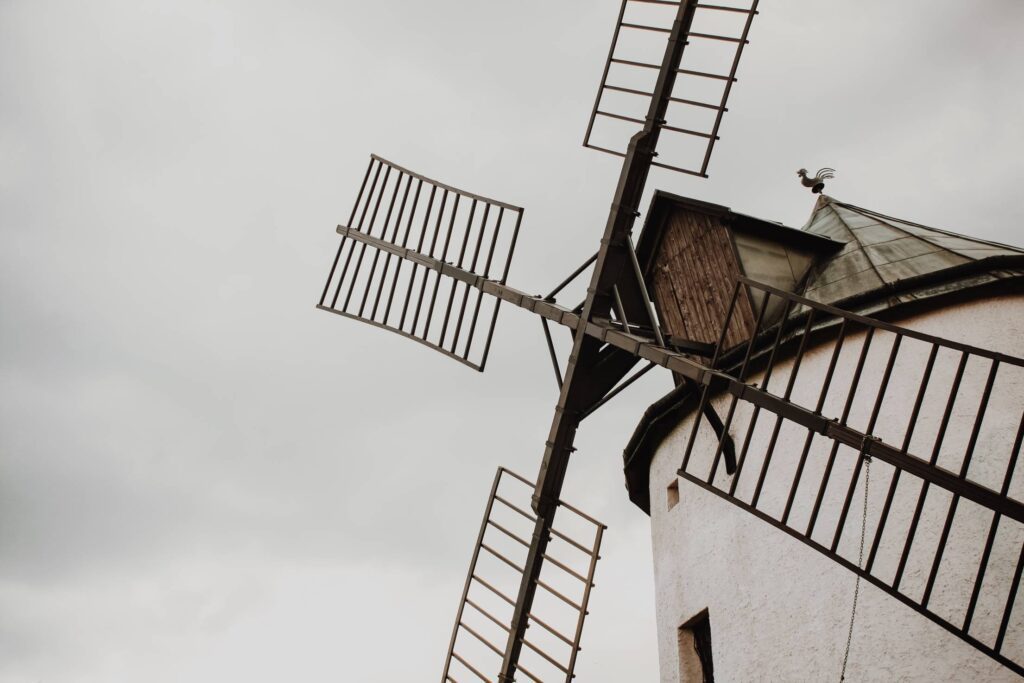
430,262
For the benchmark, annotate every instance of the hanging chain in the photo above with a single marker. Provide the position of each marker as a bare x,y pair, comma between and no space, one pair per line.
860,558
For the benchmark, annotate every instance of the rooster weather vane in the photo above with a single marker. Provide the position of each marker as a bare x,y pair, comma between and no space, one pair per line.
817,183
429,261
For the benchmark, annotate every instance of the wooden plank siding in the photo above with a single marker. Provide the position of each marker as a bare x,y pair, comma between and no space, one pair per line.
695,271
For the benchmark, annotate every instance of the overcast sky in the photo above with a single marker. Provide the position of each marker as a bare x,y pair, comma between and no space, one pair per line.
202,477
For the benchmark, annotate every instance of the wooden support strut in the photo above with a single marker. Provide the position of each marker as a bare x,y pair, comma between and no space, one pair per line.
613,262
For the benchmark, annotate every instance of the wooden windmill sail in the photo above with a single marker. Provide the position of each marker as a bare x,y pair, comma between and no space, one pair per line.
430,262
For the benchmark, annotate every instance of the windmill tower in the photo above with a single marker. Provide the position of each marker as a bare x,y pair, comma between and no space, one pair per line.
913,527
430,262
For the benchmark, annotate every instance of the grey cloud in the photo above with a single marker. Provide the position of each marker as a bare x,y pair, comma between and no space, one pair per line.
204,478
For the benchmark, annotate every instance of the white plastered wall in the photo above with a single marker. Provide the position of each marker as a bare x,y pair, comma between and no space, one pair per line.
779,609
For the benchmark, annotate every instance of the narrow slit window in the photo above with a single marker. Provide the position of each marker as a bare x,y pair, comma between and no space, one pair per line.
695,662
673,494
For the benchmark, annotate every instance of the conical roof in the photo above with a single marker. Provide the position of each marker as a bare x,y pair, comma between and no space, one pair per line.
885,255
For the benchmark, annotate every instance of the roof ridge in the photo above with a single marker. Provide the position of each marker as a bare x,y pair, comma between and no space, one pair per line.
885,220
881,216
860,244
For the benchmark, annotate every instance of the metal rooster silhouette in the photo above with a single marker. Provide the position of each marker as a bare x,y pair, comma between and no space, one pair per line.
817,183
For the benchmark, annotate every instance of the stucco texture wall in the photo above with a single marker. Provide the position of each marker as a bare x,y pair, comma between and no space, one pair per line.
780,610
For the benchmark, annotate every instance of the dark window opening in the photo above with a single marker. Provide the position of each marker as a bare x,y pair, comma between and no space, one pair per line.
695,662
673,494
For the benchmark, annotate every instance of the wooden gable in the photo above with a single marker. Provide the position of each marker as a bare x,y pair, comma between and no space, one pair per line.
693,252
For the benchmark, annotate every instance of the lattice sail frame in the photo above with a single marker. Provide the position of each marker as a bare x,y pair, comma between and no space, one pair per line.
704,78
494,572
402,214
960,404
